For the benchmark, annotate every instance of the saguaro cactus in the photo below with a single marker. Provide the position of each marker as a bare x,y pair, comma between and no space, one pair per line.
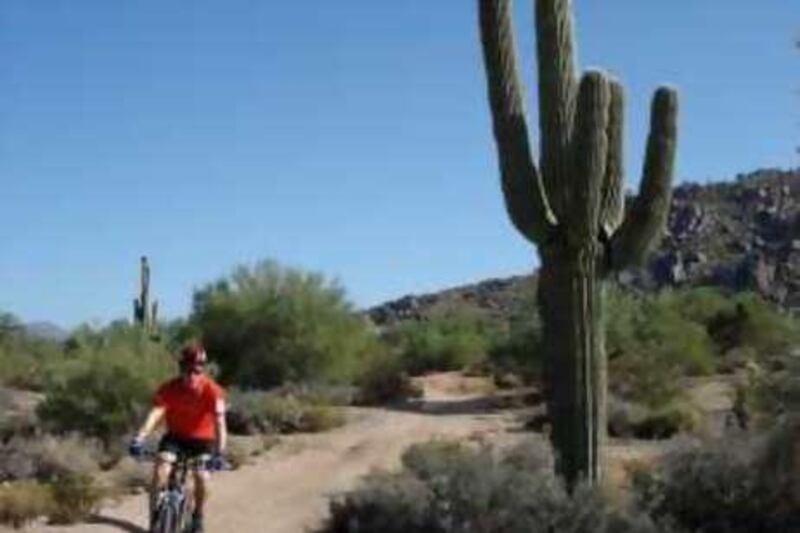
571,207
142,314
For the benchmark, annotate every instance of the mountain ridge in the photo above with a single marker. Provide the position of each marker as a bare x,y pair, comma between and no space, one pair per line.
742,234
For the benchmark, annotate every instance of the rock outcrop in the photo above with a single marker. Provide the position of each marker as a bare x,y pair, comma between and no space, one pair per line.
739,235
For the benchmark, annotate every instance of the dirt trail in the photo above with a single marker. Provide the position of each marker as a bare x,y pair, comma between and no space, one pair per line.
287,489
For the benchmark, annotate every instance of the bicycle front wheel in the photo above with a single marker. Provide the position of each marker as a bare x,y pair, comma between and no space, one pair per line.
167,520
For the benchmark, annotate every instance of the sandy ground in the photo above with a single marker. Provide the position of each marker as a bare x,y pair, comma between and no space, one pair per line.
287,490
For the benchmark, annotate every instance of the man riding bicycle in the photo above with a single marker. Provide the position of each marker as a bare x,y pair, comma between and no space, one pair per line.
193,407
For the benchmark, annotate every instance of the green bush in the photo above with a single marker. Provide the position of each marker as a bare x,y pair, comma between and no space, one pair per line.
448,342
645,379
105,385
24,360
722,487
702,304
288,414
446,488
668,334
268,325
629,420
252,412
385,380
320,393
104,402
652,343
750,321
517,349
766,397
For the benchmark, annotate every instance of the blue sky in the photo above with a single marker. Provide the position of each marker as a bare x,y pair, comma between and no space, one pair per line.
350,138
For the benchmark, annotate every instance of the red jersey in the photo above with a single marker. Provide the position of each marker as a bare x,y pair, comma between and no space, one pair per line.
190,410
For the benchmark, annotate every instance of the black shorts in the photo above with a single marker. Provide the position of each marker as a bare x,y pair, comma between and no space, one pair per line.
172,446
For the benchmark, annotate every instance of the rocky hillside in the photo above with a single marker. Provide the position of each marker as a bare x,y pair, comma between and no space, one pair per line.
740,235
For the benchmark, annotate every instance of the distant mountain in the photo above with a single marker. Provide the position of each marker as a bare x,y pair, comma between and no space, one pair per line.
739,235
46,331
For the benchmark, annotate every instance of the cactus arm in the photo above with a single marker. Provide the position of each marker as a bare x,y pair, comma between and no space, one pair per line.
612,208
524,194
646,219
558,87
590,145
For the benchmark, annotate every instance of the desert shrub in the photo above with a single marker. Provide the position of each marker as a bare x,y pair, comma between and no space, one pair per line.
245,413
451,341
288,414
624,417
130,475
651,344
750,321
323,418
517,350
668,334
252,412
268,325
630,420
18,413
22,502
46,457
766,397
319,393
179,332
621,312
241,451
120,344
105,384
18,425
65,499
645,379
103,401
384,379
446,487
75,497
702,304
721,487
24,360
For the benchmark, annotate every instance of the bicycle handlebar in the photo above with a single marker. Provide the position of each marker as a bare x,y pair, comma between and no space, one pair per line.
152,455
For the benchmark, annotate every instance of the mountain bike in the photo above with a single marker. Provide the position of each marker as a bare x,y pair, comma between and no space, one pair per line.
174,504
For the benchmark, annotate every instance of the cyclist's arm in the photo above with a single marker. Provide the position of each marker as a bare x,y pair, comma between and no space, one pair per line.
154,418
221,426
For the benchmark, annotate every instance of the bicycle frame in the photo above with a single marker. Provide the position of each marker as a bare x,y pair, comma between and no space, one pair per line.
173,505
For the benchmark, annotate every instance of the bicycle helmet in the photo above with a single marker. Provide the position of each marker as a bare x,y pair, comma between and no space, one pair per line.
193,356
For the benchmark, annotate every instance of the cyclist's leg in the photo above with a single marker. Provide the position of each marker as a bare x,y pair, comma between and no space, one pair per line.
167,455
200,451
201,489
161,471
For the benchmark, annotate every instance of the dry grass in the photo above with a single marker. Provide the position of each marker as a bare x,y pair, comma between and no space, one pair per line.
22,502
243,450
455,384
129,475
47,457
76,497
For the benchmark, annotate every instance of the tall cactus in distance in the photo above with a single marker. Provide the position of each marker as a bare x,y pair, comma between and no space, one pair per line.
144,313
571,207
